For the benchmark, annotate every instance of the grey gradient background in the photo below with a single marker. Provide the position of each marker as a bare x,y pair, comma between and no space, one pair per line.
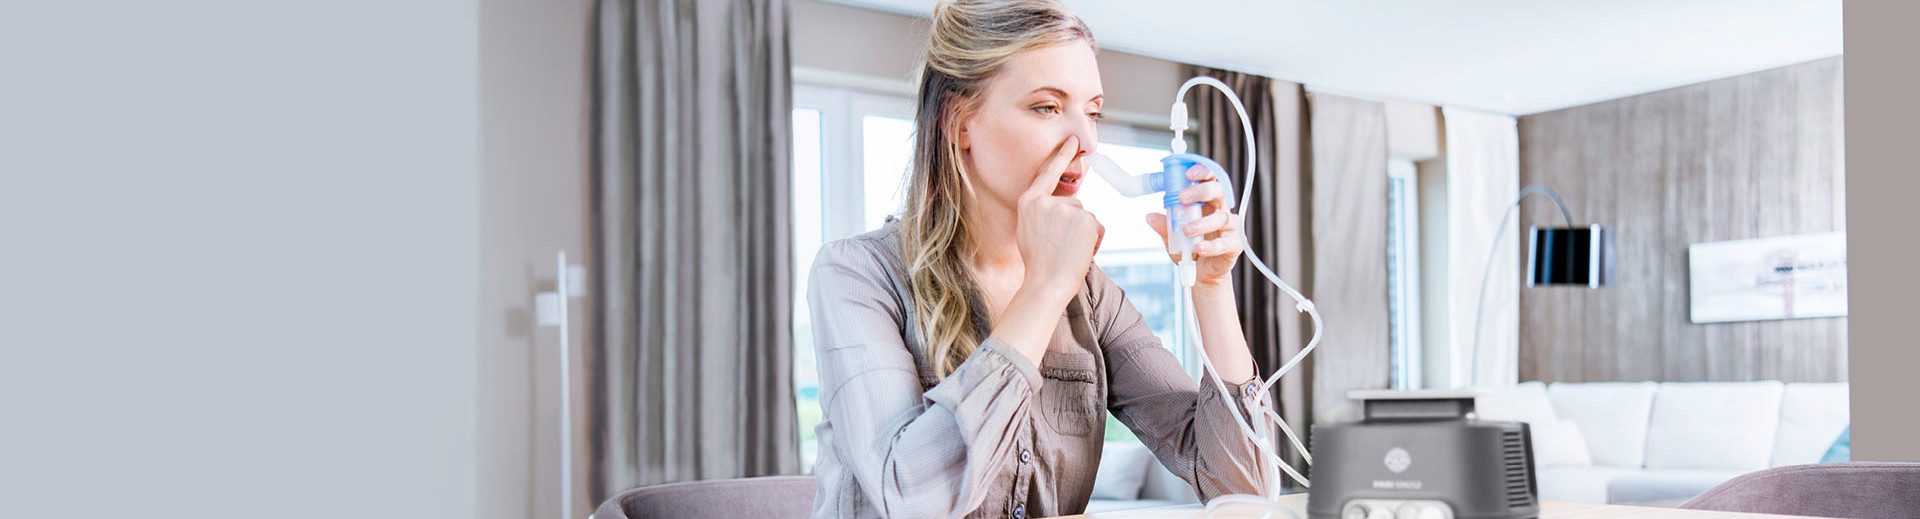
260,258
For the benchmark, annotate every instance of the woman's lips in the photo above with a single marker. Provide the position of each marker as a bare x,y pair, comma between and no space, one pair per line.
1069,184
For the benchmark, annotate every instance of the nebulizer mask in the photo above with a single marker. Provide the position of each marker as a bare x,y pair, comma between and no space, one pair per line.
1168,182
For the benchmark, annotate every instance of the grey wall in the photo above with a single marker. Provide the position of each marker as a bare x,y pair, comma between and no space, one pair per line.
1751,156
855,40
238,258
1880,116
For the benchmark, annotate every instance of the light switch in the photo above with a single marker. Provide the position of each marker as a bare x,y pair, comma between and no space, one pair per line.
546,308
576,281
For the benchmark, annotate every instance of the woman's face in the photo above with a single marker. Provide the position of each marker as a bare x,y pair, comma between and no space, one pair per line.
1038,99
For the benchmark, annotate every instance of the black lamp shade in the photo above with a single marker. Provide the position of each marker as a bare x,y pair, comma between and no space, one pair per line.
1570,256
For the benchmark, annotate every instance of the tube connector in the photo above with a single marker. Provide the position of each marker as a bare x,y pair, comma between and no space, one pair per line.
1188,271
1178,123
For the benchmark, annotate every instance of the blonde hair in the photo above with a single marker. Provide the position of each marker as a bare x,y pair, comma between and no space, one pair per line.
970,41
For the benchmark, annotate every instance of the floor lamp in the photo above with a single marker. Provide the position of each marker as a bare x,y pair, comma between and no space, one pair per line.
1556,256
550,309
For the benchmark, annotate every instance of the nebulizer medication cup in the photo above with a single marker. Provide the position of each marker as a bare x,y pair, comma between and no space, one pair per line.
1169,181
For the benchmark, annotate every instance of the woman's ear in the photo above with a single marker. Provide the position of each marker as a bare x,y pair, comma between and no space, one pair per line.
961,136
955,127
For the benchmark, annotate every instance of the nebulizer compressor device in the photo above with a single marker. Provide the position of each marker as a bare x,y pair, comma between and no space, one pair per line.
1416,455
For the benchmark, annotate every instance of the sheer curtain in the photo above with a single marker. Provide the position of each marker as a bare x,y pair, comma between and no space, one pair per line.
1483,177
689,344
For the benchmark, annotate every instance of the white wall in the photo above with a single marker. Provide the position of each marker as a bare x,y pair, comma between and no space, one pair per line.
238,258
533,69
882,50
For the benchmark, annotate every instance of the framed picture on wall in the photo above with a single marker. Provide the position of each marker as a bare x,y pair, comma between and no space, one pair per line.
1785,277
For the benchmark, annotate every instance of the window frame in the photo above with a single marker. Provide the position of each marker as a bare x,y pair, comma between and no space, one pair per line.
1406,356
842,173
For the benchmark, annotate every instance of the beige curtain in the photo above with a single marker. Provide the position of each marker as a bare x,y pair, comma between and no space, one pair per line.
1275,218
1348,250
689,346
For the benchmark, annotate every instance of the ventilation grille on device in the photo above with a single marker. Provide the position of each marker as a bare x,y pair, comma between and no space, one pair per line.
1519,483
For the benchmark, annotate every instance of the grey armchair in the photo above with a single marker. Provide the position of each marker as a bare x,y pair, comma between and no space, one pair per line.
1854,490
774,497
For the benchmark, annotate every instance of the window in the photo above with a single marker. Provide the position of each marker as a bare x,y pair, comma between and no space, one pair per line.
808,218
850,155
886,152
851,151
1403,275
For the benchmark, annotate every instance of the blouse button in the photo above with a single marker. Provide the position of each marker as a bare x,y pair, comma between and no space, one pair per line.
1019,512
1026,455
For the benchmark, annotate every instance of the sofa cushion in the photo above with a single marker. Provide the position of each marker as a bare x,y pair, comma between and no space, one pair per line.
1559,443
1524,402
1657,486
1811,419
1123,469
1556,441
1713,425
1621,485
1613,417
1842,449
1578,484
1163,485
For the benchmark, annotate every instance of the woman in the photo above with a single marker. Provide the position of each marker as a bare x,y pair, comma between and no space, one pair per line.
969,350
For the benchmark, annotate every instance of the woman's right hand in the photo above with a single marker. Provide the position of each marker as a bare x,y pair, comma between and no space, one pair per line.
1057,239
1056,235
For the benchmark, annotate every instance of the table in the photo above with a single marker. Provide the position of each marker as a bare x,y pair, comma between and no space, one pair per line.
1548,510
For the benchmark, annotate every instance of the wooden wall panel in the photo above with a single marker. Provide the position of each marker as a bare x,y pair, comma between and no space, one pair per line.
1752,156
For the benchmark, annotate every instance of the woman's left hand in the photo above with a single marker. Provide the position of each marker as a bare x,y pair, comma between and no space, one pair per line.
1216,235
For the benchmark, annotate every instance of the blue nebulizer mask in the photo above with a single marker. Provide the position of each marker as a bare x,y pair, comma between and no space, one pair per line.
1168,182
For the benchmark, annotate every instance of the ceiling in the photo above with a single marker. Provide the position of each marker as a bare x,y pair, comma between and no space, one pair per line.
1513,57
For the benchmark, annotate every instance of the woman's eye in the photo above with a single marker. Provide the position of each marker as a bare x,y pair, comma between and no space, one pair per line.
1096,115
1047,109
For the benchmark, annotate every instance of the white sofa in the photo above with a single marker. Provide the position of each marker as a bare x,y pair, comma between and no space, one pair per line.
1130,477
1654,443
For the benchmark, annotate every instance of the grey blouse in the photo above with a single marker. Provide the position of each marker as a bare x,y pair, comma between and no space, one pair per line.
999,437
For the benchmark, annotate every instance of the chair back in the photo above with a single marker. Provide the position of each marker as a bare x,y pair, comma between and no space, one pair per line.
1854,490
773,497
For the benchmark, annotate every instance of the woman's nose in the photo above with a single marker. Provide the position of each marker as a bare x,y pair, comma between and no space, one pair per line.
1084,129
